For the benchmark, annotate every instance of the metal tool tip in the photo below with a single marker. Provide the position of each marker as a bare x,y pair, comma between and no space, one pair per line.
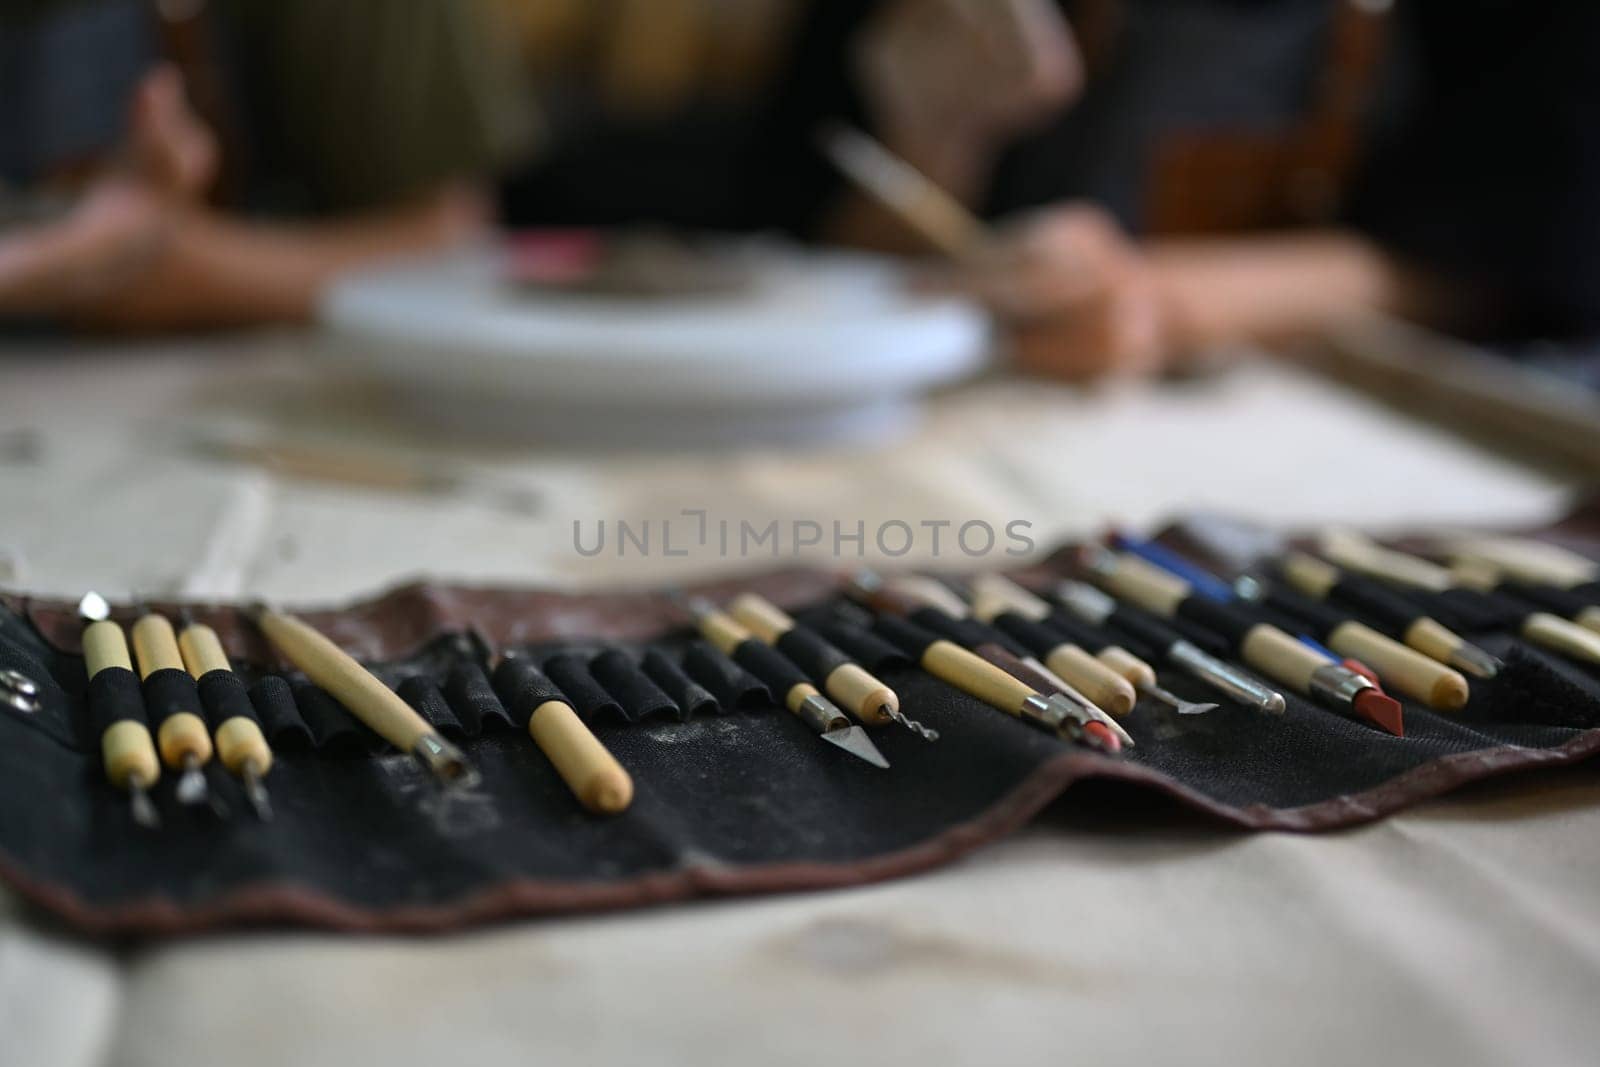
1475,661
1274,704
447,763
257,794
93,607
854,740
144,812
191,788
927,733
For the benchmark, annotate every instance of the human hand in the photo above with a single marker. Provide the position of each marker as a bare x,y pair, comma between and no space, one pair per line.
1076,298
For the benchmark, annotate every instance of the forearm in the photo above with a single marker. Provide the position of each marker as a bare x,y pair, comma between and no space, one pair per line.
1285,288
219,272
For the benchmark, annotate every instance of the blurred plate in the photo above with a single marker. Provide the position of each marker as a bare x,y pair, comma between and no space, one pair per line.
816,346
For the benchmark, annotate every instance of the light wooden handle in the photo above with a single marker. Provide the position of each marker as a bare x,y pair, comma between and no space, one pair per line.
105,646
1136,671
592,773
129,755
202,650
761,616
181,736
1147,585
929,592
155,646
1103,686
1432,639
1565,637
798,694
1309,574
956,666
853,688
722,631
329,666
1589,618
997,587
240,743
1405,669
1281,657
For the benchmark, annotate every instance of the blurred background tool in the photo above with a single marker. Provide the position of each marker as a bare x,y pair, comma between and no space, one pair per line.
364,696
241,746
116,703
940,218
786,680
181,734
850,684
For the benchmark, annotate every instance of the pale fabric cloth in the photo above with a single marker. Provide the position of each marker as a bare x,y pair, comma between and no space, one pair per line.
1465,932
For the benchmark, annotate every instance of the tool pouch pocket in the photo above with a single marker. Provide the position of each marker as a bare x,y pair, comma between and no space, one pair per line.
732,793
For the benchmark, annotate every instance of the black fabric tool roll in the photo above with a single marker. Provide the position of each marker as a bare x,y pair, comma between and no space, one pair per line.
732,794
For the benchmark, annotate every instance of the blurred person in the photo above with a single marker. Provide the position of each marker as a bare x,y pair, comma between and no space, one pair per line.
1172,176
361,131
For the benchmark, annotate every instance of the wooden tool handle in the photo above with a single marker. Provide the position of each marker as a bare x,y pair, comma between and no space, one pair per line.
328,665
155,646
996,590
105,646
722,631
1134,670
1565,637
202,650
592,773
1432,639
1589,619
761,616
1102,685
1147,585
181,736
1281,657
865,697
951,663
1309,574
1405,669
129,754
240,742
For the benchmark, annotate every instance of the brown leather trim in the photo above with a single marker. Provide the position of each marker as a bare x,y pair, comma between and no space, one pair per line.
292,904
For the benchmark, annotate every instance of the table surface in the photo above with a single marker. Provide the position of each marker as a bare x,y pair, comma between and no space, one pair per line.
1117,927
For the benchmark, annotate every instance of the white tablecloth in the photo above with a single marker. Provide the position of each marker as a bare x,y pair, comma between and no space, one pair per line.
1117,929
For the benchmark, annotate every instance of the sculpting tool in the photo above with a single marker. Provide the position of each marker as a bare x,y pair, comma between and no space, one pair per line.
241,746
785,679
970,673
1087,725
1573,639
1201,580
364,696
1028,612
936,215
1555,599
590,771
1262,645
848,683
1100,609
182,737
1524,559
1538,627
1390,611
127,751
1338,636
1102,685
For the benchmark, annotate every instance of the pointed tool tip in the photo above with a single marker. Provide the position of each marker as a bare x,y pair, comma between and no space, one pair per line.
854,740
1381,710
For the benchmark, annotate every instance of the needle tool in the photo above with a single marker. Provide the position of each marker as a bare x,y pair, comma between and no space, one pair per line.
241,746
127,751
182,737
